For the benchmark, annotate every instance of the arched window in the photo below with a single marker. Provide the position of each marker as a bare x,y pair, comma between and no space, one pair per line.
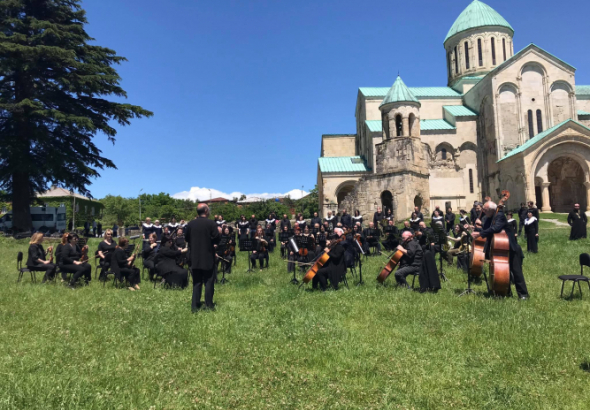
467,55
504,48
539,122
479,52
456,61
411,121
443,153
449,57
398,125
493,51
531,129
470,181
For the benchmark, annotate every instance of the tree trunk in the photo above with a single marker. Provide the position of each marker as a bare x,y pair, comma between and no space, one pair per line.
21,201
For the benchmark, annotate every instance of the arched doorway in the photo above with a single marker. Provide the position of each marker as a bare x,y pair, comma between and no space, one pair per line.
418,201
567,184
387,201
344,190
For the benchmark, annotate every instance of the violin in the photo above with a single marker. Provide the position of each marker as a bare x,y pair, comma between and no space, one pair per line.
50,250
84,257
390,266
323,259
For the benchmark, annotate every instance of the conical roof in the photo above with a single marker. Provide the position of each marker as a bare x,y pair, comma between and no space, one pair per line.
399,92
477,14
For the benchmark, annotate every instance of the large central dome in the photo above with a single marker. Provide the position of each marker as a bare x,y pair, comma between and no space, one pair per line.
477,14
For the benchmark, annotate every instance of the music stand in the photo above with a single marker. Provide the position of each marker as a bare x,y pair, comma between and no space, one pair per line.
440,239
294,280
247,245
469,290
360,261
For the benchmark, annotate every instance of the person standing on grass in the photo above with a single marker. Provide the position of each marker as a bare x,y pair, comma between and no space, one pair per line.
202,234
531,230
522,214
578,221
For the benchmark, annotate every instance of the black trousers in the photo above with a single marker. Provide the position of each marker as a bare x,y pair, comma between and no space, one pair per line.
49,270
151,266
221,263
515,261
450,226
520,226
260,256
321,279
77,270
131,274
200,278
402,273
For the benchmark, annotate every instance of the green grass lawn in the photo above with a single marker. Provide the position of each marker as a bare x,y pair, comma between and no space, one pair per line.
270,345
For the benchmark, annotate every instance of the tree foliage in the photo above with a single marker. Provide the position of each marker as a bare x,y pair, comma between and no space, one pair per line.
53,89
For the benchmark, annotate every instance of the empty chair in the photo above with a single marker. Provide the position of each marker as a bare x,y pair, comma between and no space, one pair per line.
584,261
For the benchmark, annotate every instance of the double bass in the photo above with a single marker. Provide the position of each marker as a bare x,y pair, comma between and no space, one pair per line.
499,279
322,259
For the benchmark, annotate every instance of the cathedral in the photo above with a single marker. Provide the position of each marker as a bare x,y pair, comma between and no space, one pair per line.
506,121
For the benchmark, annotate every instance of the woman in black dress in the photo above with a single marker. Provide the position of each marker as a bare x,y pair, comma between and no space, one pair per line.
577,220
436,217
228,239
105,251
166,264
36,260
70,256
122,266
415,221
357,218
531,229
512,222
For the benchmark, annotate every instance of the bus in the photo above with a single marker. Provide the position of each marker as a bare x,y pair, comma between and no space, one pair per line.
43,218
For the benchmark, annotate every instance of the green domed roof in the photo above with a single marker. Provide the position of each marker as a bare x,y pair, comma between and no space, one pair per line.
399,92
477,14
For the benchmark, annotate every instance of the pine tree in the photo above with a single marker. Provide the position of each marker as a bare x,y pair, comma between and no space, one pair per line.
53,90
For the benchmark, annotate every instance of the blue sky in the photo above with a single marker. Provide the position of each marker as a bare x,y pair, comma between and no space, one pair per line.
242,90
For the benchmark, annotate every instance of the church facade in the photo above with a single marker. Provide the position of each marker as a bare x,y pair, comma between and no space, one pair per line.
505,121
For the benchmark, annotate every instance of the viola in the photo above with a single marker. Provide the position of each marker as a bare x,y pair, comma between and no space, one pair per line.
322,260
84,257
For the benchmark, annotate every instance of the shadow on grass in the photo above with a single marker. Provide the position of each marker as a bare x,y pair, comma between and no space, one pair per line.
585,367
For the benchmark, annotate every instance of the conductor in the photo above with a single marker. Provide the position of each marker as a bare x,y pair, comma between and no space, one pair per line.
202,235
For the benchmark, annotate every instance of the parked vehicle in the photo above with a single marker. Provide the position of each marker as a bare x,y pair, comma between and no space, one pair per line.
46,219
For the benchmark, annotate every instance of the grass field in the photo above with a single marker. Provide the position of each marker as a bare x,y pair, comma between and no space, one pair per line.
270,345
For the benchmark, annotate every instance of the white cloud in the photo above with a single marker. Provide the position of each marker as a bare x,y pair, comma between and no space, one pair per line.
197,193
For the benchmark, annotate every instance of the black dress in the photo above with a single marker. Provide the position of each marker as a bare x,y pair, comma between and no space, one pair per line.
68,255
578,221
148,255
166,266
531,229
121,269
105,248
36,255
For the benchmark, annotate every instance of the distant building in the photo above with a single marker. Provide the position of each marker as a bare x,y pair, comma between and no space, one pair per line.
505,121
219,200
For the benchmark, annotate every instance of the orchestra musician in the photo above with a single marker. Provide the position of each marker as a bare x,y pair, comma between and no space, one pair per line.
463,218
411,260
407,228
70,261
105,251
496,223
269,235
224,253
36,261
357,218
392,234
292,256
474,213
372,239
285,222
345,219
450,220
531,231
285,235
310,244
253,226
578,221
180,243
460,240
331,221
260,252
335,269
166,264
322,238
428,278
148,254
147,228
377,216
316,219
122,266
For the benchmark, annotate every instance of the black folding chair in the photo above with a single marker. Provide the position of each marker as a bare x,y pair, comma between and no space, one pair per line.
22,271
584,261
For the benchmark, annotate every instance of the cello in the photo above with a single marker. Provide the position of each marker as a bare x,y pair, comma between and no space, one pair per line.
390,265
322,259
499,280
477,255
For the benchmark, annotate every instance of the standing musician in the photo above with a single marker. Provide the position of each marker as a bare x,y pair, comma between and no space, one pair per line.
372,238
147,228
271,220
531,231
269,235
411,260
166,266
474,213
201,235
415,221
105,251
284,238
450,220
158,229
70,256
357,217
173,225
377,216
429,279
260,253
220,221
253,226
285,222
463,218
345,219
310,244
419,214
316,219
331,220
149,252
225,258
122,266
243,227
300,222
436,217
496,223
334,269
391,236
578,221
36,260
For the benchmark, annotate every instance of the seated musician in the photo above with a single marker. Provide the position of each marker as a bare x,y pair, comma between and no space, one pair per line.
411,260
321,239
335,269
293,257
392,235
310,244
496,223
37,260
463,218
180,243
149,252
352,248
260,252
70,261
459,239
407,228
269,235
166,264
122,266
106,248
372,238
326,227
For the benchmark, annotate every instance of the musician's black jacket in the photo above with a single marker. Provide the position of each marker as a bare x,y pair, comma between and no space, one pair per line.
414,256
36,255
202,234
377,217
450,217
69,254
315,220
253,224
522,213
535,212
148,253
371,235
285,222
346,220
166,260
473,215
420,216
496,225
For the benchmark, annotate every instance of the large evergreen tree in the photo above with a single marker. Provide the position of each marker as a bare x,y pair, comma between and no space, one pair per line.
53,90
